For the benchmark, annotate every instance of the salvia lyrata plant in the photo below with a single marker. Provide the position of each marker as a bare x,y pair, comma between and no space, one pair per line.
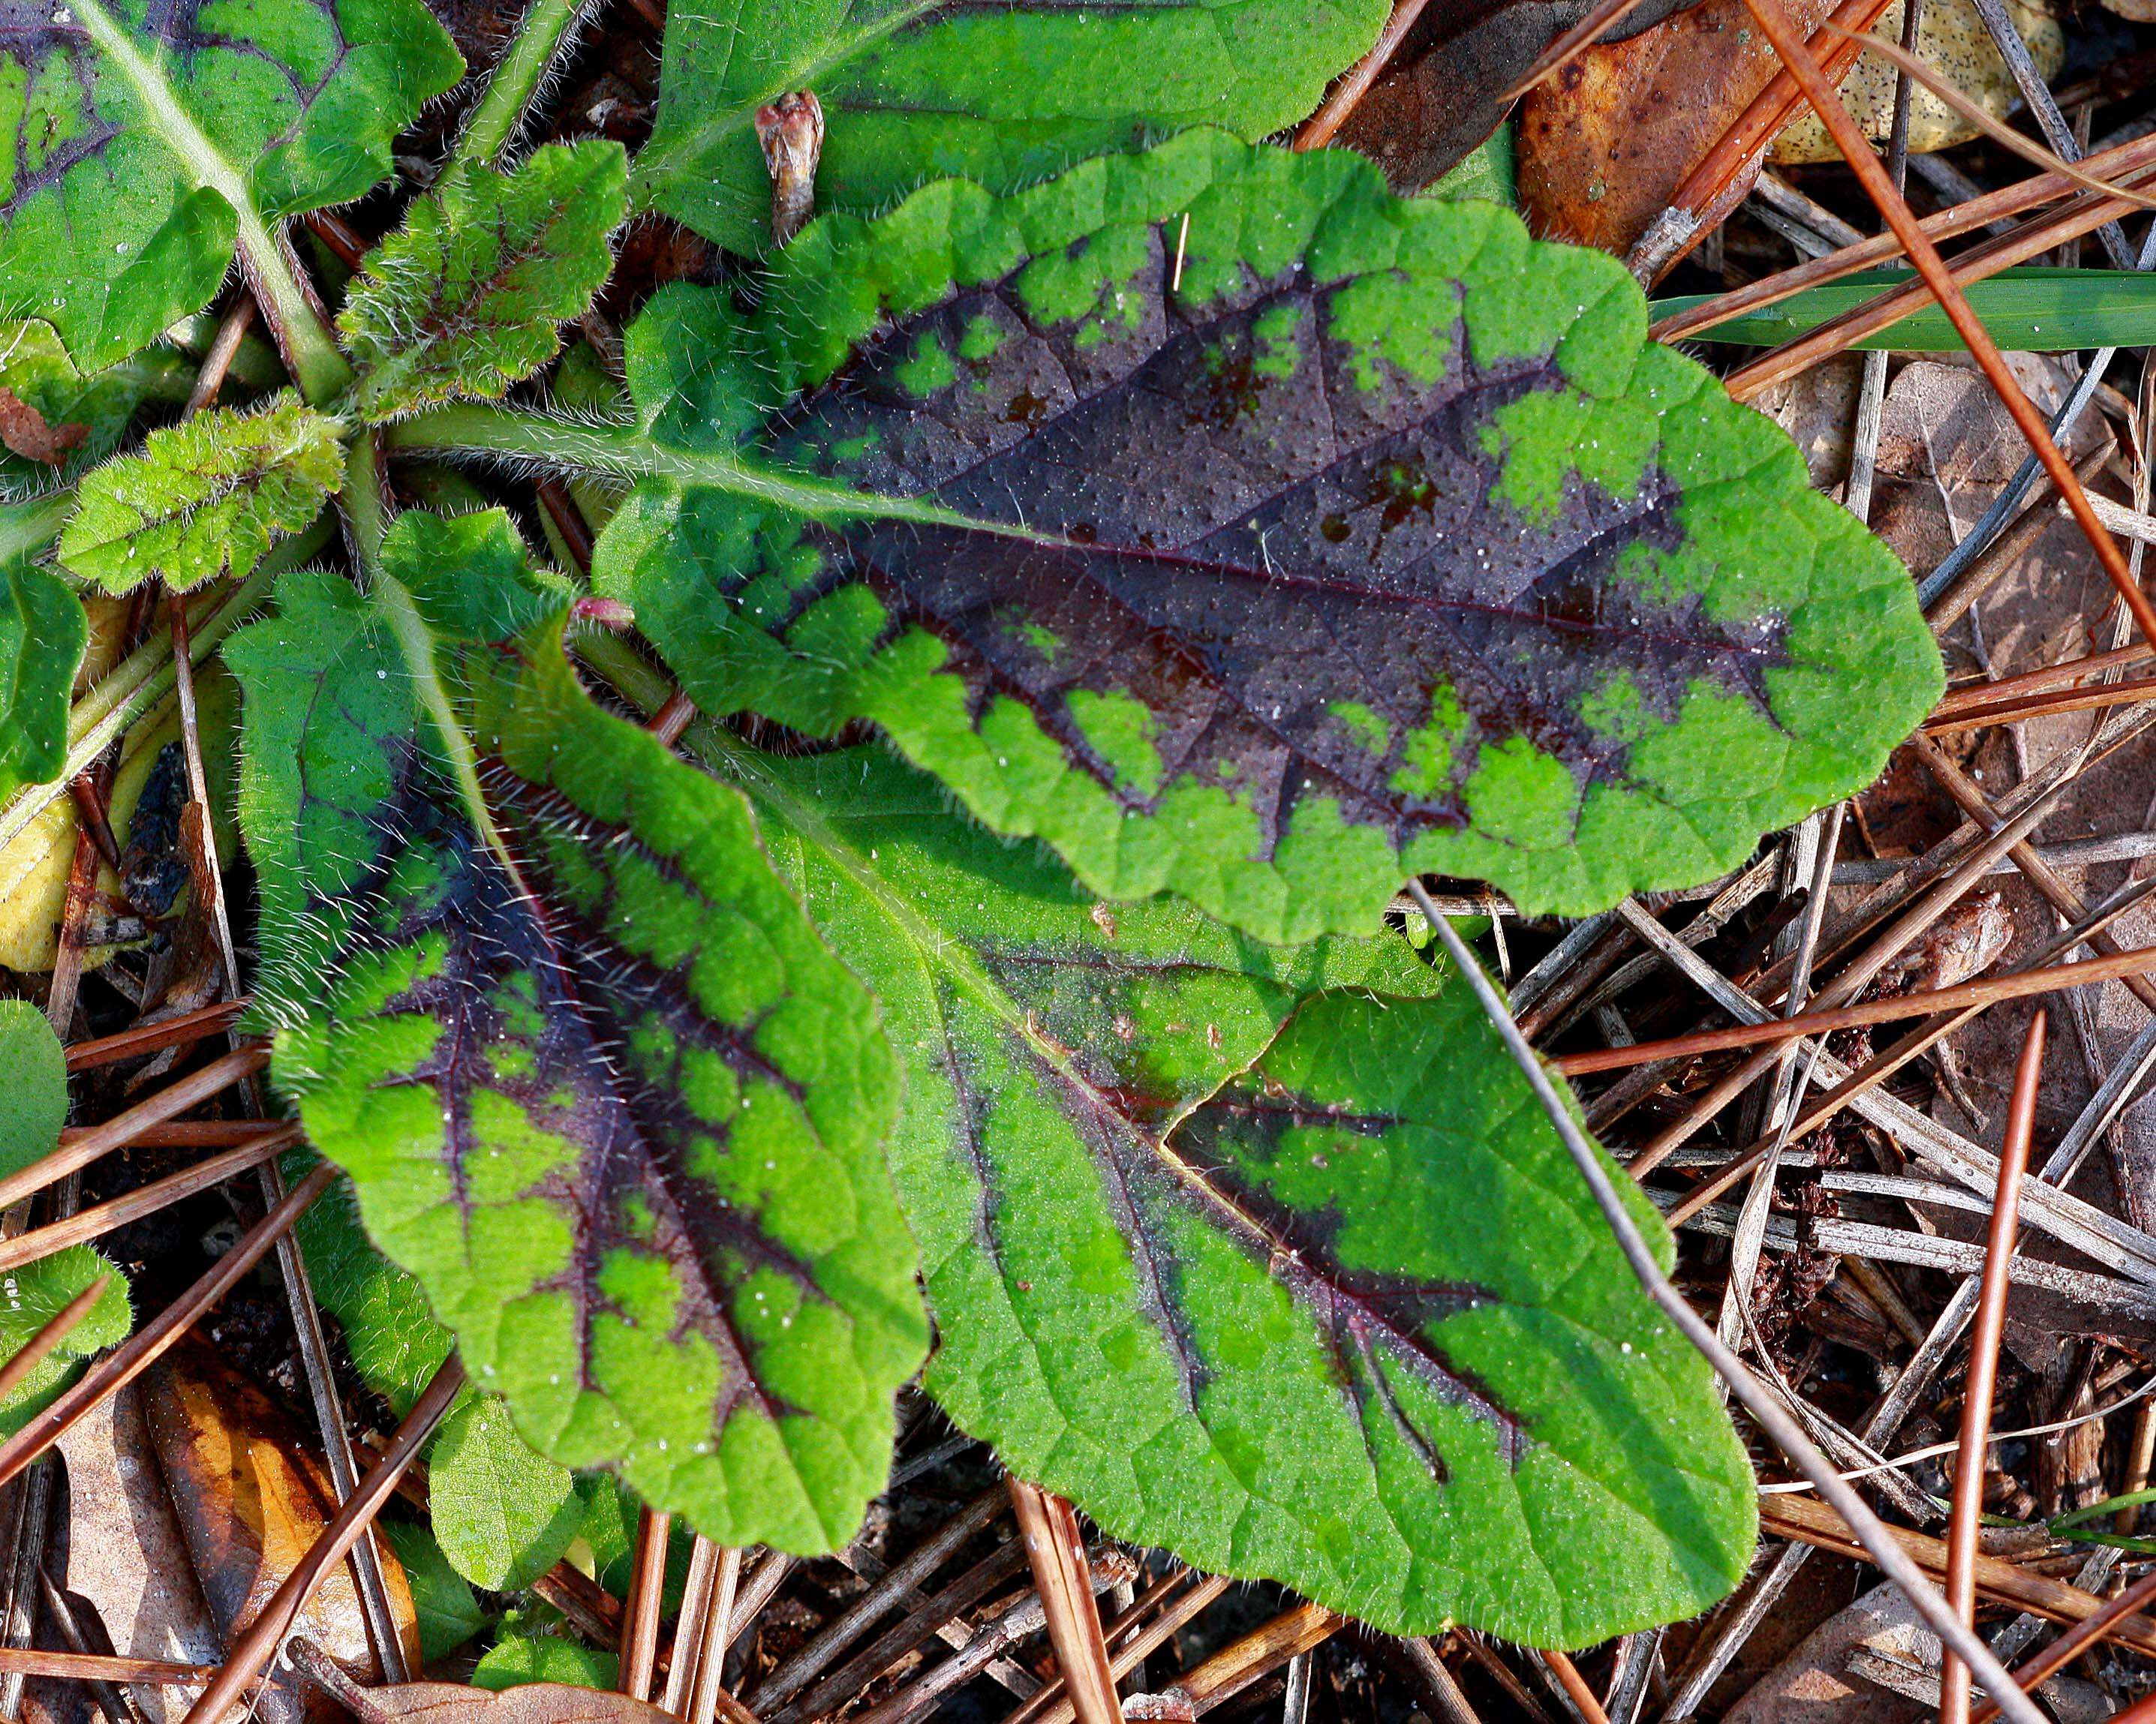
1108,556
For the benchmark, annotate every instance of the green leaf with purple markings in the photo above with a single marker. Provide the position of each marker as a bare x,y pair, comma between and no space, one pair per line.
1243,531
621,1116
1266,1254
1003,92
147,140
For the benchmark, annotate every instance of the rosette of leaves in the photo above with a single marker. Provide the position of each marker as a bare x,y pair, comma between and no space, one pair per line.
1252,537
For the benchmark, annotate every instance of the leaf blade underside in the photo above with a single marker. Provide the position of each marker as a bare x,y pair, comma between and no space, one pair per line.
1002,94
1330,537
629,1143
1265,1254
107,230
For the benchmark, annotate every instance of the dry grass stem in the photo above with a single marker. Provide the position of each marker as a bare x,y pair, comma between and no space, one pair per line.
1988,991
646,1603
143,1200
1575,1687
1983,1376
1049,1525
76,1153
176,1031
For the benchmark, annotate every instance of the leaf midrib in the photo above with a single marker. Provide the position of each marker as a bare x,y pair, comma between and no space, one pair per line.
939,953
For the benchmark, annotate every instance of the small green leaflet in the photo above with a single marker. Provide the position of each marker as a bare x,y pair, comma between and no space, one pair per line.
33,1103
449,1614
42,631
464,299
120,212
1003,93
1264,1253
628,1138
503,1515
31,1297
1243,531
515,1660
205,497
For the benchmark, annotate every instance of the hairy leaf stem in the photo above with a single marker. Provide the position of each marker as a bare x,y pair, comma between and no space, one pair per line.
364,517
309,351
629,452
516,77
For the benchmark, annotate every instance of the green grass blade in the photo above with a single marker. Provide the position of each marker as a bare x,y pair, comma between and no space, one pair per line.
2037,310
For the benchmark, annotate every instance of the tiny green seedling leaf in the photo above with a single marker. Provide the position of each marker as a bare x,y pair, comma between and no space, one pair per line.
1263,1254
627,1134
1243,531
449,1614
503,1514
204,498
42,631
31,1297
516,1660
34,1102
161,132
1002,93
465,299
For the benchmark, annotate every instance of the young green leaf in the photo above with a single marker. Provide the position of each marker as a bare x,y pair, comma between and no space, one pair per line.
43,632
150,136
31,1297
627,1132
1003,93
503,1515
466,298
1265,1254
515,1660
449,1614
205,497
33,1103
1245,531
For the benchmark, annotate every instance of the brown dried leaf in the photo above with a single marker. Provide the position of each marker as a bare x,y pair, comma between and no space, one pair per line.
1437,99
1952,39
250,1500
125,1554
27,433
1604,145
